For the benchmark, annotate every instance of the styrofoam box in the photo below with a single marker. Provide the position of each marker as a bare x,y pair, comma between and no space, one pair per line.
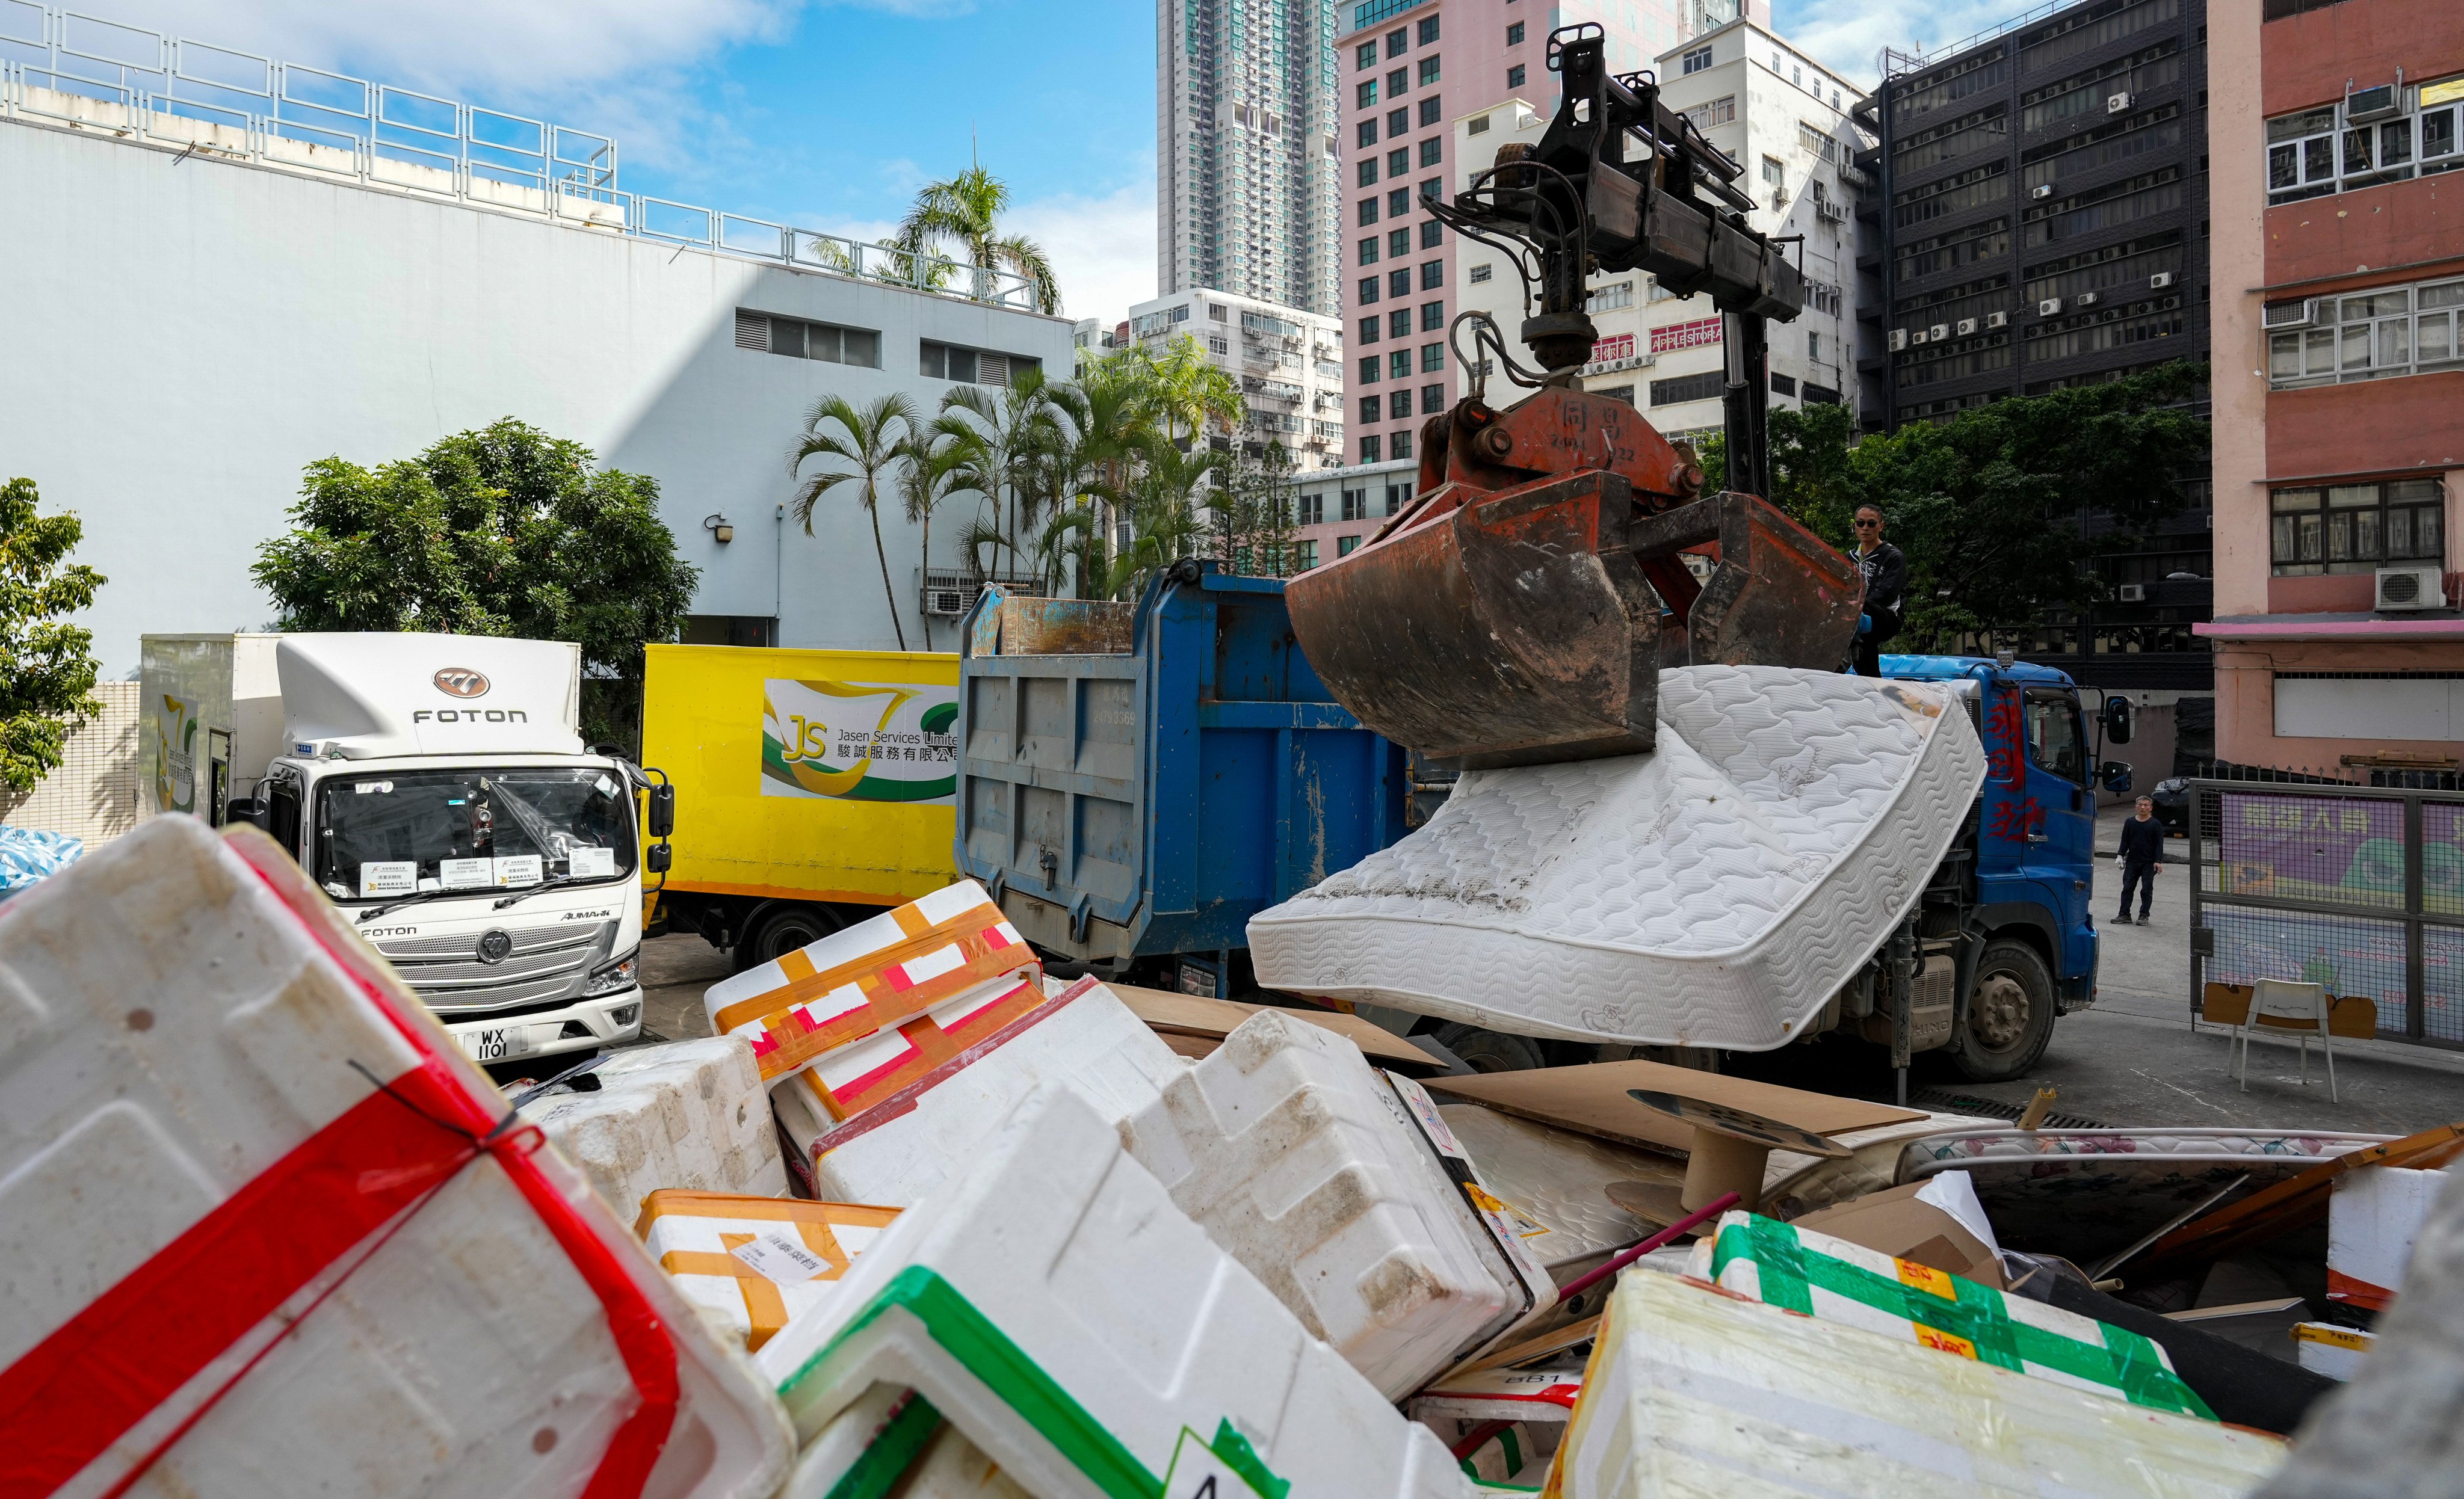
2373,1216
1055,1306
892,1440
689,1115
905,1148
1692,1391
2326,1348
179,1018
750,1264
1299,1162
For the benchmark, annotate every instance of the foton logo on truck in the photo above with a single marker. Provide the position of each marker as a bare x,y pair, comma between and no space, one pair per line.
461,682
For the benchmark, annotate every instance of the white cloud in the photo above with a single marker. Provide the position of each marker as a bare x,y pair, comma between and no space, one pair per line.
1102,249
1848,36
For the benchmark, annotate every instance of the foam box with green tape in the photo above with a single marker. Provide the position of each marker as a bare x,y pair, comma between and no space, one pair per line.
1057,1308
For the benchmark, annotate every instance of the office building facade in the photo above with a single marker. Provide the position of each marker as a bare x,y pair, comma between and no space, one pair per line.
2339,385
1288,363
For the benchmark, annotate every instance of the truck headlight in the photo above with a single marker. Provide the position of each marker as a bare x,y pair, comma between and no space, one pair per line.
608,978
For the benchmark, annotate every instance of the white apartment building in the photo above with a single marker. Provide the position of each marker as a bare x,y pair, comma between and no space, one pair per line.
1342,507
1784,118
1288,362
1245,188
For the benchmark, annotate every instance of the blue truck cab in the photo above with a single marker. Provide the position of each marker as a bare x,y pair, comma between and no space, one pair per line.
1131,810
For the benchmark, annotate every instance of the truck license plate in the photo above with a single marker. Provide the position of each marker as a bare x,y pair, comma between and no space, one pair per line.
498,1045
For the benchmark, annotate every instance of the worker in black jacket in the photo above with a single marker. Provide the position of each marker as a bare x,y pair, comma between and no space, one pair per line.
1886,587
2142,850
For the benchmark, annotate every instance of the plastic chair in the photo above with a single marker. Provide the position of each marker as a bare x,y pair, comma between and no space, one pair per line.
2277,1002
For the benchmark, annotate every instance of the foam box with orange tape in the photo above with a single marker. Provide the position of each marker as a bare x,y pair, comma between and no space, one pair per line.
750,1264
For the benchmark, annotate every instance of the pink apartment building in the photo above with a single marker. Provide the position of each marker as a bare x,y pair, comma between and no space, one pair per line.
1406,70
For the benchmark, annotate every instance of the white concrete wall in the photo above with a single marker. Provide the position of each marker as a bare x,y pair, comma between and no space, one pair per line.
184,336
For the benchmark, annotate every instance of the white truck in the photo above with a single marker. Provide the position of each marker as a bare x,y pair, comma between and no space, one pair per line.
437,789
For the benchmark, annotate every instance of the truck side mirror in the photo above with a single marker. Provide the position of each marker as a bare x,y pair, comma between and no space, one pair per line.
663,811
2113,776
2116,720
246,809
657,857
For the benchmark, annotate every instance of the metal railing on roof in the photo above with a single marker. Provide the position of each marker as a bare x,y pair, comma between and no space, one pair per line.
1896,63
66,70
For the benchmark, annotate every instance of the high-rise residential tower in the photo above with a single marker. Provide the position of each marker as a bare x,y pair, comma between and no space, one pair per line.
1246,190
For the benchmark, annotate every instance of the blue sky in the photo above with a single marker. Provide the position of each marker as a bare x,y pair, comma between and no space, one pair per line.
830,116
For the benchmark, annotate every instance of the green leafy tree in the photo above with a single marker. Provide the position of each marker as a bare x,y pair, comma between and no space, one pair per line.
47,665
1192,393
500,531
932,468
1993,506
1009,437
963,215
1163,515
869,442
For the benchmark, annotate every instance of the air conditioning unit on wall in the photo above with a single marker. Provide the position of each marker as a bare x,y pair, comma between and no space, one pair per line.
2041,190
2160,280
2286,315
2130,593
2087,299
1998,319
2416,587
2050,307
2115,103
1937,331
1967,326
1899,340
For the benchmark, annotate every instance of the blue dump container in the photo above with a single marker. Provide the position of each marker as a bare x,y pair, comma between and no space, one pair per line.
1139,808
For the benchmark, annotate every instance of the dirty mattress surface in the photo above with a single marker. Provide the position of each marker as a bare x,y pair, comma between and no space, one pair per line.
1715,892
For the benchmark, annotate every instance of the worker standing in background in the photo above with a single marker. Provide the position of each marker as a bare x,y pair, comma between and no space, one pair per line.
1886,587
2142,849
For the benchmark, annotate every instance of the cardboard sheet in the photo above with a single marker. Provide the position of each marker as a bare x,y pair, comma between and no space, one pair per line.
1190,1016
1592,1099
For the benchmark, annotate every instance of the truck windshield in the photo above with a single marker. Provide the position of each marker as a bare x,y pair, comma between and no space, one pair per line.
405,832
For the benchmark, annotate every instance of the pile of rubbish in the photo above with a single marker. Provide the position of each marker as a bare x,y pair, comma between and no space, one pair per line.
921,1220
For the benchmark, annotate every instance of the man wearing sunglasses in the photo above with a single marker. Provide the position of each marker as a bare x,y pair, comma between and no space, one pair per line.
1886,586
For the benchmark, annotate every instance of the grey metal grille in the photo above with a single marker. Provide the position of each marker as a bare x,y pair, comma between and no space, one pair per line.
546,962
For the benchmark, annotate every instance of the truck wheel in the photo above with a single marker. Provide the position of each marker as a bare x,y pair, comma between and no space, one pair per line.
781,932
2009,1015
1490,1050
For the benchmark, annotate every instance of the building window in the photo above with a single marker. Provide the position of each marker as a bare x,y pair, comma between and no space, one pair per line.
1609,298
1304,554
1366,132
1623,393
1396,495
1370,365
1365,56
1218,344
1370,411
1432,273
1479,125
1399,283
1399,160
1398,445
1398,405
1368,291
2355,528
1369,171
2308,155
1428,30
2368,335
1314,510
1429,108
1355,505
1367,94
1783,384
1369,453
1396,40
1706,386
1433,358
1368,328
1398,81
1368,250
1814,347
1400,361
1399,322
1433,234
1368,212
1774,172
1721,111
1433,151
799,340
1399,202
971,366
1816,142
1398,121
1433,317
1479,275
1515,77
1345,546
1431,187
1514,35
1695,61
1428,70
1399,242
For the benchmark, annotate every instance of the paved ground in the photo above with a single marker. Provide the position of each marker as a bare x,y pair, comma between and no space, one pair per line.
676,970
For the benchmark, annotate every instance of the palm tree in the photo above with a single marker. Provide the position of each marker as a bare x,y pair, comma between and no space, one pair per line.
1162,514
934,468
868,444
966,211
1190,391
1006,436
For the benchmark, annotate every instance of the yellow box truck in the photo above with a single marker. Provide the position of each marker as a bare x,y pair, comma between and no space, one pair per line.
821,787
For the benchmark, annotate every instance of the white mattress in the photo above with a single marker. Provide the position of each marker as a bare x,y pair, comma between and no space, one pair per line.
1715,892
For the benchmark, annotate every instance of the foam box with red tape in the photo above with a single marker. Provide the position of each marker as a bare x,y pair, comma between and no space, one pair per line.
269,1234
2373,1216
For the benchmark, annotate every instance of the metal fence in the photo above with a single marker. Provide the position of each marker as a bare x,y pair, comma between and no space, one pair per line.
2357,888
66,70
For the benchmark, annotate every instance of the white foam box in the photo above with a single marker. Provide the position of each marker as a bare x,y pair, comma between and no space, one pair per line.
872,976
266,1228
2335,1352
2373,1216
752,1264
1691,1390
893,1442
689,1115
1716,892
1055,1306
1298,1160
906,1146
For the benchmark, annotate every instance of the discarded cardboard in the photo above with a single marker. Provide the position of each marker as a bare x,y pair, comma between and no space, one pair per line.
1593,1100
2373,1216
2352,1016
269,1234
1560,1179
1056,1307
751,1264
1908,1224
691,1115
2294,1202
1197,1017
1693,1390
1725,1152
